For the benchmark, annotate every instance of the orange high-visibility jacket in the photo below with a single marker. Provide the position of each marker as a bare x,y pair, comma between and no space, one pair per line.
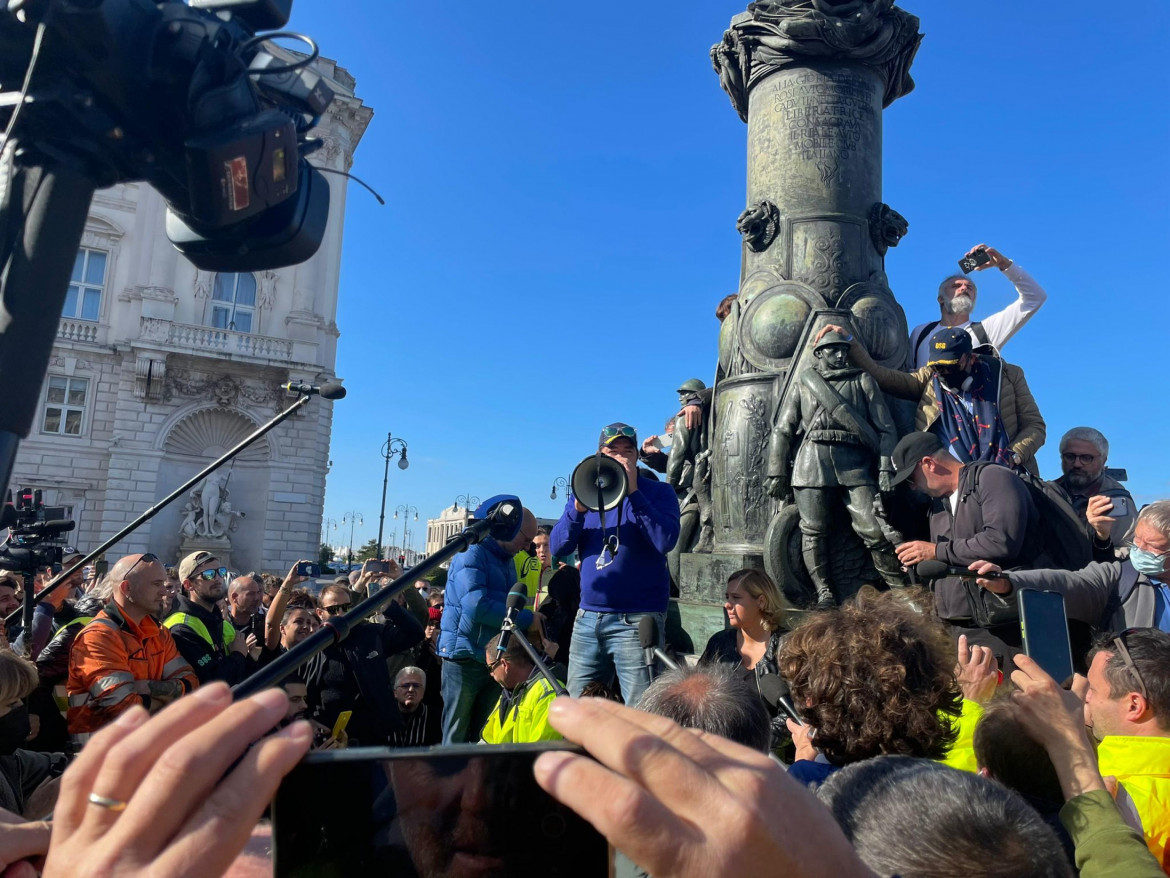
111,661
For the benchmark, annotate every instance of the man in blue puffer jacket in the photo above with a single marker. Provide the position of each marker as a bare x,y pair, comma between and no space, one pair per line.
474,603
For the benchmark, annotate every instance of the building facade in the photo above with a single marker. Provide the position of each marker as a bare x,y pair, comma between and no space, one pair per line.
159,368
450,523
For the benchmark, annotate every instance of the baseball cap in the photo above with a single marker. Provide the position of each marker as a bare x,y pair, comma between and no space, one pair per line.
617,430
71,553
910,449
947,347
189,564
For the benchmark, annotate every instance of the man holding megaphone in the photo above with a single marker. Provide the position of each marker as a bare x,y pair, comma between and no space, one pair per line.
621,526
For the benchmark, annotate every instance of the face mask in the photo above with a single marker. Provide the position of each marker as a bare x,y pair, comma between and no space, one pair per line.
1147,563
14,729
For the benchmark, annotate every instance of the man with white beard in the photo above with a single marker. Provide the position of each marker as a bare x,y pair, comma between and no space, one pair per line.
956,301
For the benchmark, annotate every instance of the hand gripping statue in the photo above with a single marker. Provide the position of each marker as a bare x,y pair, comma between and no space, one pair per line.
848,436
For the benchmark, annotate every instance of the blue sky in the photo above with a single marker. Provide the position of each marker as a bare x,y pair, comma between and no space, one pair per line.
562,184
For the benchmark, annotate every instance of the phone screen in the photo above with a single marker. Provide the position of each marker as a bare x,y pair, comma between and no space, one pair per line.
432,811
1045,632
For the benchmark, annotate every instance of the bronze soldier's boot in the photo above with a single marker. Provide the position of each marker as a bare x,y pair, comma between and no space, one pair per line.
816,562
889,567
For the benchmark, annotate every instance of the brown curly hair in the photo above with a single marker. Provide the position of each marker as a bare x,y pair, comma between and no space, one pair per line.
874,676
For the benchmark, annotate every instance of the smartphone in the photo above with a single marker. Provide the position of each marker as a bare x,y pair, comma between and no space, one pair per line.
1120,507
342,722
969,263
378,566
469,809
1044,627
308,568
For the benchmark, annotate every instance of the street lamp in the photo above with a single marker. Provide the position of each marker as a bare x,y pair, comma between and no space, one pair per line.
559,482
407,510
467,500
327,525
389,448
353,518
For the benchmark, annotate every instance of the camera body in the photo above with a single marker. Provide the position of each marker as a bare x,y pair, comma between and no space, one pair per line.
33,528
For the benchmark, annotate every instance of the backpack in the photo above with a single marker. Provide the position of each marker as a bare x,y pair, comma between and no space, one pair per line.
1065,536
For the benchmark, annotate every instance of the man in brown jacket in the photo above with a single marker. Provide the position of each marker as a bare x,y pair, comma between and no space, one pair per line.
1021,418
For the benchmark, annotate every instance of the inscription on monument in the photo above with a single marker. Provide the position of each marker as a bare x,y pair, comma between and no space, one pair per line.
825,115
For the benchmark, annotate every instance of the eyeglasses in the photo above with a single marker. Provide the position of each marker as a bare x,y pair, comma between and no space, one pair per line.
1127,659
147,558
337,609
1158,555
614,432
221,572
495,664
1085,459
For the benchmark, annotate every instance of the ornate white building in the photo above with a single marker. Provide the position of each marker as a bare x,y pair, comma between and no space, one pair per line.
159,368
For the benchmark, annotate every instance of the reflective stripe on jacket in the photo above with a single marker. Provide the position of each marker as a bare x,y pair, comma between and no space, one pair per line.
196,625
112,661
525,719
60,693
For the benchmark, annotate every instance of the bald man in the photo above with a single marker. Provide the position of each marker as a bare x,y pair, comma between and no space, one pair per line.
123,657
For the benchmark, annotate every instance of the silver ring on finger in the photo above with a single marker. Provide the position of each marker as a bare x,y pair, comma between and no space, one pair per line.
107,803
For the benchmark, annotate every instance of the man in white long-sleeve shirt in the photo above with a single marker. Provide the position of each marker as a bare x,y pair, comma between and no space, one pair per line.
956,300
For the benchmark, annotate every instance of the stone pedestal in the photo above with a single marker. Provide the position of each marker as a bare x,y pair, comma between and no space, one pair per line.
221,547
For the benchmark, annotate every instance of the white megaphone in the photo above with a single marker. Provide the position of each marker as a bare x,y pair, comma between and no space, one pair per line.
599,483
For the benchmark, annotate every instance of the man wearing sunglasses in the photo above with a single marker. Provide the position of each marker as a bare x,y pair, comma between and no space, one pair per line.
207,640
123,657
1111,595
1127,710
619,588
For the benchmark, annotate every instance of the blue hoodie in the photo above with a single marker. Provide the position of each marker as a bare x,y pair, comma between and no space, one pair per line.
474,603
637,581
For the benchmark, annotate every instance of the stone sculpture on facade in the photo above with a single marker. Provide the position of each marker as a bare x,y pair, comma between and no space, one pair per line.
688,472
846,435
209,512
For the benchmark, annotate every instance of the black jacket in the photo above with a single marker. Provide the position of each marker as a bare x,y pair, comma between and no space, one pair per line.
995,520
214,661
352,675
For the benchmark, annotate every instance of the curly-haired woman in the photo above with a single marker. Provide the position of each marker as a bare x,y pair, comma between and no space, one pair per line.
874,676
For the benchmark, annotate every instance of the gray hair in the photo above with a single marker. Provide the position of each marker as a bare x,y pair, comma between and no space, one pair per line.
1157,516
1086,434
712,698
411,671
354,576
103,589
908,816
953,277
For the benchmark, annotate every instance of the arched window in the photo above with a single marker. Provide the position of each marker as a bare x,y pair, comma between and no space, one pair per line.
233,302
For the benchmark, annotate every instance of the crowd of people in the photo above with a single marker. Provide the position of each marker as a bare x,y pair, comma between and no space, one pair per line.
902,730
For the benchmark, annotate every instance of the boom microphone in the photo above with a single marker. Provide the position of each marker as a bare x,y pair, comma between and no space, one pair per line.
932,570
330,390
774,690
517,598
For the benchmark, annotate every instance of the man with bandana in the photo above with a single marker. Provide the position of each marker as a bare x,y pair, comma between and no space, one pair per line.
956,301
977,404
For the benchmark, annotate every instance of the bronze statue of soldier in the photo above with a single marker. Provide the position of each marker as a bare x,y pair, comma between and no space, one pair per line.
688,471
846,428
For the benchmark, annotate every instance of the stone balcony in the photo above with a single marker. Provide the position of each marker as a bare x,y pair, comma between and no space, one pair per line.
82,331
215,342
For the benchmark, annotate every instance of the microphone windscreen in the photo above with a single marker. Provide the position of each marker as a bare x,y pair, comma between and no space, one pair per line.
648,632
332,390
931,569
773,687
517,599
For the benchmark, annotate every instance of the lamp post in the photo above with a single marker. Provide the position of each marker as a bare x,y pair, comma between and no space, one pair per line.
407,510
558,482
353,518
467,500
390,447
327,525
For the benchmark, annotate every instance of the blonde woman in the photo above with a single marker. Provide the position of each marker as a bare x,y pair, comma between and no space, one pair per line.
755,612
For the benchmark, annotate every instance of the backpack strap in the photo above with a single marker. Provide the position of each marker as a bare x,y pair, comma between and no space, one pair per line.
924,333
977,330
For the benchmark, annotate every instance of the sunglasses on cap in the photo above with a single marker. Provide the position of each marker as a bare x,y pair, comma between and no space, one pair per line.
1127,660
221,572
611,433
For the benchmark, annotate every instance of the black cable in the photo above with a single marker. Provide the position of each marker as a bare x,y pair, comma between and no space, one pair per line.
381,200
287,68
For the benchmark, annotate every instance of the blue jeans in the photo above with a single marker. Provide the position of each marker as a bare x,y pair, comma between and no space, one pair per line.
469,694
605,643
